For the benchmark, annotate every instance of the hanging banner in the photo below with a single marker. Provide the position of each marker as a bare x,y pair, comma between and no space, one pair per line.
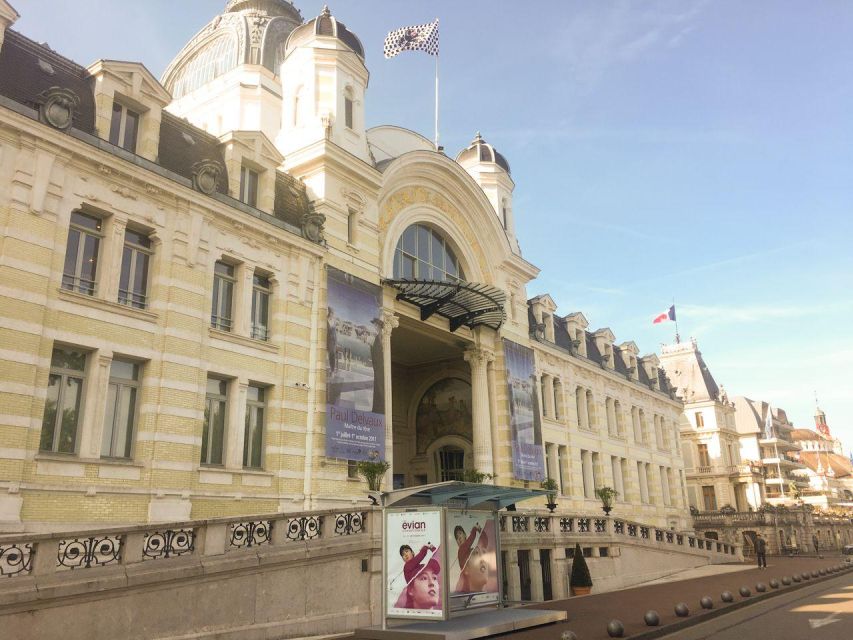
528,460
413,565
355,371
472,560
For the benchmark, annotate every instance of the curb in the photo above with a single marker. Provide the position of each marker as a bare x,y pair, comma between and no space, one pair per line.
745,602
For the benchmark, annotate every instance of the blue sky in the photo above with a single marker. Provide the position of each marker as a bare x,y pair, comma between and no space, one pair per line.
667,149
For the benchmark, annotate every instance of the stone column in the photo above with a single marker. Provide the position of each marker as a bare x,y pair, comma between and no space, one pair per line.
479,359
537,593
493,411
110,268
588,476
513,576
389,323
91,423
241,305
548,396
235,424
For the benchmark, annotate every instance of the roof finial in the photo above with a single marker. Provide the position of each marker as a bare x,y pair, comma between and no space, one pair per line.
325,11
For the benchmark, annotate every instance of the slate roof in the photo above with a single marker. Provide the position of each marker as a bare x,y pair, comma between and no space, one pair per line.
28,68
182,145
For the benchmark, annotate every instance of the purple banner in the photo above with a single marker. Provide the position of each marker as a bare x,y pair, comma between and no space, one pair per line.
355,371
528,460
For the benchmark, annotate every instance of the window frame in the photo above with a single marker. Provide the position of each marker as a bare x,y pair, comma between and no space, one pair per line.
253,407
130,297
118,134
134,385
76,279
64,374
260,331
250,180
402,255
217,320
208,430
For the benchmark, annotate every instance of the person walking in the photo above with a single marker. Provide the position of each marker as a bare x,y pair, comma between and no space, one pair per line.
761,551
814,540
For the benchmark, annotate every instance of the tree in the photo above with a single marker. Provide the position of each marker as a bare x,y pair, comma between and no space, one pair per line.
580,572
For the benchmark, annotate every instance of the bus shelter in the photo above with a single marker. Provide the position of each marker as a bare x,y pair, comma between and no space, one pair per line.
441,571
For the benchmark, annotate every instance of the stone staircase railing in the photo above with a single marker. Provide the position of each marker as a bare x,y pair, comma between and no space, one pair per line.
579,527
23,554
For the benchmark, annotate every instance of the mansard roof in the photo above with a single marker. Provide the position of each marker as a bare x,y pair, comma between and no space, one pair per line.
183,146
687,369
28,69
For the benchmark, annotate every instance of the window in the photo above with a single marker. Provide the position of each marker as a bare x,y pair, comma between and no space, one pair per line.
217,57
260,307
352,469
223,294
709,498
133,282
352,226
63,402
213,433
120,414
700,421
451,463
248,186
82,253
253,444
124,127
423,254
704,460
348,111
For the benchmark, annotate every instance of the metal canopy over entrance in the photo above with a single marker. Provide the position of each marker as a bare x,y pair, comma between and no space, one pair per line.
486,496
463,303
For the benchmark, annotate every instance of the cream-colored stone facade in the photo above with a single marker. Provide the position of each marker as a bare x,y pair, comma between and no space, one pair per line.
606,419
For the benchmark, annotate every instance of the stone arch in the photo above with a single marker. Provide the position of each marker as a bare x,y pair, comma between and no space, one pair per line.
429,384
422,186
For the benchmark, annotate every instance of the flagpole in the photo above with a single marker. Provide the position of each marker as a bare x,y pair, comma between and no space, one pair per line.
436,101
677,336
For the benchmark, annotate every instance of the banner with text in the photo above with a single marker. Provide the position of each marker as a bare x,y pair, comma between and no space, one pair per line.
527,455
413,564
355,371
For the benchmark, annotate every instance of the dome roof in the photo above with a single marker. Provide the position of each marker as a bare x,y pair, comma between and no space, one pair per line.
481,151
248,32
325,25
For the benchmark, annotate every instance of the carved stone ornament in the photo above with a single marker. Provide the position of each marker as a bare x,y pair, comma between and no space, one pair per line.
56,107
206,176
312,226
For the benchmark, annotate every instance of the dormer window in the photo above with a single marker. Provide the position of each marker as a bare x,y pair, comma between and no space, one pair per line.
124,127
248,186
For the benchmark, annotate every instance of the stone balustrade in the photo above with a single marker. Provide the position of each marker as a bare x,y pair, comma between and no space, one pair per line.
44,554
578,528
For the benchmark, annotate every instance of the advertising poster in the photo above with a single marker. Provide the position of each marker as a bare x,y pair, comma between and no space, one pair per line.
472,559
355,371
528,460
413,567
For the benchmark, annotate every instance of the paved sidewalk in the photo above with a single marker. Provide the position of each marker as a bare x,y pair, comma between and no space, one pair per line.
589,615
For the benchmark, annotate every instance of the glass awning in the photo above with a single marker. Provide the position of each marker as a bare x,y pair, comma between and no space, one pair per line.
463,303
456,493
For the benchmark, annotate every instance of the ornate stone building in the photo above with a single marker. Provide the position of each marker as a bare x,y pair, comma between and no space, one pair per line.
214,283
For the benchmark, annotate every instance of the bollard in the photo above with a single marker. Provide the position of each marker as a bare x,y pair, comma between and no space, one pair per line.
652,619
744,592
681,610
726,596
815,574
761,587
797,577
706,602
615,629
774,583
786,580
568,635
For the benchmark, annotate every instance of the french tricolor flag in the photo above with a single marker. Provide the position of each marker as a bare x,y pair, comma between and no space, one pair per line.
666,316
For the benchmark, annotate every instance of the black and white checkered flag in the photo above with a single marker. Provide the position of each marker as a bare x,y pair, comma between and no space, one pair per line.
422,37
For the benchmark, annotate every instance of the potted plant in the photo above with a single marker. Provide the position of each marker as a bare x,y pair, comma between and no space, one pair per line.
550,485
373,471
475,476
606,495
580,582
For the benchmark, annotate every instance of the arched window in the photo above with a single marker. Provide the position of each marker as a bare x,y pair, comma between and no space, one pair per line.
216,58
423,254
451,463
